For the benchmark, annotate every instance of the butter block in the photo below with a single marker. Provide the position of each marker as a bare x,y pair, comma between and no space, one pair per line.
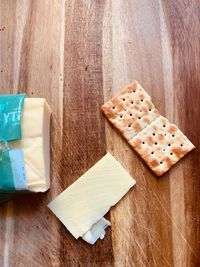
35,143
86,201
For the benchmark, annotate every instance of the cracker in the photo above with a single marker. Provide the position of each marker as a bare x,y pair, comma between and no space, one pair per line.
131,110
161,145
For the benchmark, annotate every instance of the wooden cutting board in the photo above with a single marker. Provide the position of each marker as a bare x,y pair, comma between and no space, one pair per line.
77,54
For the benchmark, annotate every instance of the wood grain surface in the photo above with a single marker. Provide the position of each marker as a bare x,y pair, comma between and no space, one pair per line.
77,54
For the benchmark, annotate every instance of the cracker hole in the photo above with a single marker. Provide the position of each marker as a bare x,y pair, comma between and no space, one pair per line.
139,118
169,144
164,149
161,162
173,135
155,143
165,134
150,109
171,153
113,107
129,126
142,100
154,134
181,144
164,125
131,102
152,153
133,91
123,99
131,114
140,110
143,142
120,116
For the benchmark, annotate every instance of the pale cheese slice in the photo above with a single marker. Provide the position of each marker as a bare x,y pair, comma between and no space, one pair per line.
86,201
35,143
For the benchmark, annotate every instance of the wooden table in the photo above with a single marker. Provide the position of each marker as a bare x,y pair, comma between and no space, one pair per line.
77,54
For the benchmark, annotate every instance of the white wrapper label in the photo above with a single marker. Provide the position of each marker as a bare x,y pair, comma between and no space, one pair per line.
18,170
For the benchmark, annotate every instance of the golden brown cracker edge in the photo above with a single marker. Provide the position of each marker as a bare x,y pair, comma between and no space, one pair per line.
161,145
